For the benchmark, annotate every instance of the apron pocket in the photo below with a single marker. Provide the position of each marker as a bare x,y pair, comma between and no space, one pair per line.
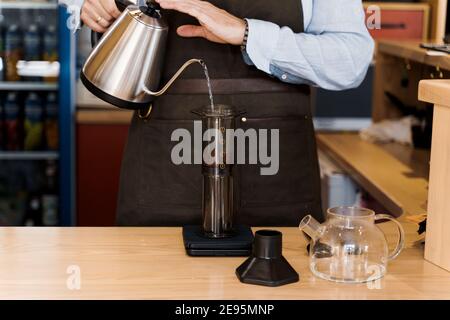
164,184
292,185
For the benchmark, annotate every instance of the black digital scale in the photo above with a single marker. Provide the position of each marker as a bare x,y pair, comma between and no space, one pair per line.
237,245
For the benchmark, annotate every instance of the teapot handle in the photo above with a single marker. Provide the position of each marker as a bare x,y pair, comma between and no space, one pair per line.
121,5
401,240
95,38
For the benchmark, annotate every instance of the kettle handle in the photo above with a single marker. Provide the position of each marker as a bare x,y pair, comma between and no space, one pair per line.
401,239
121,5
95,38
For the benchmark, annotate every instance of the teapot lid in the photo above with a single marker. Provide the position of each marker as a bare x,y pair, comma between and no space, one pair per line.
150,8
149,15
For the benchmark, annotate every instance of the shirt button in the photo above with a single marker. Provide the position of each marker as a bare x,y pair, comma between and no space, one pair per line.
284,76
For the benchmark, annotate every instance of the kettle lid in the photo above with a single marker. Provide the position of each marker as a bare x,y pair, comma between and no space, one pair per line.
149,14
150,8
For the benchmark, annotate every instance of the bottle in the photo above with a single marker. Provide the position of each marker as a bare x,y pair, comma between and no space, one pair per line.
2,50
33,123
2,126
32,46
13,52
51,122
33,215
50,48
12,123
50,195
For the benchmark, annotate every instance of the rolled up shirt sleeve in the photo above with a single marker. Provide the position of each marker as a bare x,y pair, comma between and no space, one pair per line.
334,52
78,3
74,7
262,43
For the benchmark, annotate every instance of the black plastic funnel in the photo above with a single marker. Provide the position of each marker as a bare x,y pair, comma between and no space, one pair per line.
267,266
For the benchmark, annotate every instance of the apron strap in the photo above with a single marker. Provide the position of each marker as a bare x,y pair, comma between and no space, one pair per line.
234,86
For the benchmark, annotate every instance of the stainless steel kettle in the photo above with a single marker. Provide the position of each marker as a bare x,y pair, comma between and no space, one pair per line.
125,66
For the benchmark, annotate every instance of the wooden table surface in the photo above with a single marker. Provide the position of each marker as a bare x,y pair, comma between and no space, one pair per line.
150,263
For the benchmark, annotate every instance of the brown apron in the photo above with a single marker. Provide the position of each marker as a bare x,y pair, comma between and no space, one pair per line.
154,191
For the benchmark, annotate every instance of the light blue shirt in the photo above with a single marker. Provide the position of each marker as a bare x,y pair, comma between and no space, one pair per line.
334,52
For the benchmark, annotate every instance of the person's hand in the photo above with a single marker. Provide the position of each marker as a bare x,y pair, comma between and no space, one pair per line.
99,14
216,25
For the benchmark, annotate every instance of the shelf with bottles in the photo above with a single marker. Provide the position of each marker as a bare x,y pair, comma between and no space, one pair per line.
27,86
28,125
29,155
31,163
28,43
27,4
29,193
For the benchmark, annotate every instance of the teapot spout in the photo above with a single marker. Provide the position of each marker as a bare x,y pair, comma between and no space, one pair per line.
175,77
310,226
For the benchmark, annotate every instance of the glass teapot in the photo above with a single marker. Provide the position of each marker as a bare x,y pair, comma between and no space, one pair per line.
349,247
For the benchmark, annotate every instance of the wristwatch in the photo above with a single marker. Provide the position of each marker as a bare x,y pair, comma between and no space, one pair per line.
244,41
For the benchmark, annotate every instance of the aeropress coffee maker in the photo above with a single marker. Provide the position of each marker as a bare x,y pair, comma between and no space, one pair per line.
218,235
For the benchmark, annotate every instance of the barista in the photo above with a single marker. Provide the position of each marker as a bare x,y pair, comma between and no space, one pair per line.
273,49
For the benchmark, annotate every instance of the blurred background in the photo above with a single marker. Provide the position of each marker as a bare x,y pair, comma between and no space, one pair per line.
61,148
29,111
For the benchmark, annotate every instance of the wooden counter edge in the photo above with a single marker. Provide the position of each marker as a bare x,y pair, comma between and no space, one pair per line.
103,117
403,49
435,91
411,50
438,220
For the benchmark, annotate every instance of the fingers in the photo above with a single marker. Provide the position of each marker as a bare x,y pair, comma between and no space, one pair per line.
110,7
190,31
206,13
91,23
90,16
99,14
216,24
195,8
102,12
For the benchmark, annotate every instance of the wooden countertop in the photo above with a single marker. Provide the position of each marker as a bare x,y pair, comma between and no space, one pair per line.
393,174
411,50
102,116
150,263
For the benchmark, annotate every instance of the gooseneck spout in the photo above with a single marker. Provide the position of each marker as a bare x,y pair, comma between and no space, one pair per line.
311,227
175,77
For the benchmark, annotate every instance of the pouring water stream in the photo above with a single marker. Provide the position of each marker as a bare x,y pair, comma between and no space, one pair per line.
208,82
178,73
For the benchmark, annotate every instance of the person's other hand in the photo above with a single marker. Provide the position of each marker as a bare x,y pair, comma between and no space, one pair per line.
99,14
216,25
